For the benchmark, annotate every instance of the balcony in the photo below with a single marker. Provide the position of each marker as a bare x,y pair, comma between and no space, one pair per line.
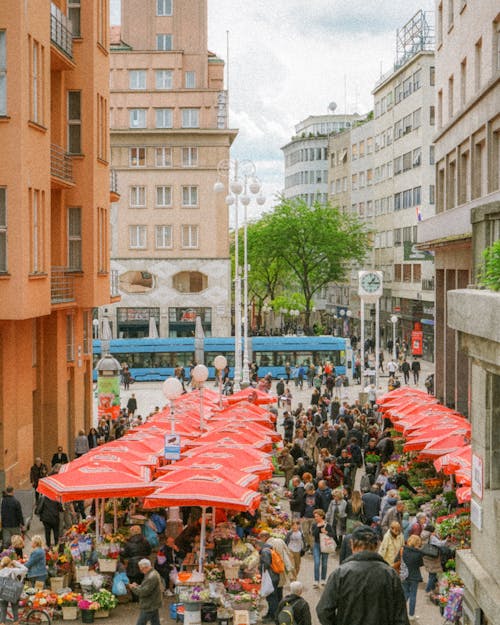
61,286
60,31
428,284
113,185
61,166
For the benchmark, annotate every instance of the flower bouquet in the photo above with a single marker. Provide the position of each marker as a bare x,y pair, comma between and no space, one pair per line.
244,601
195,594
105,599
86,604
69,599
233,587
213,573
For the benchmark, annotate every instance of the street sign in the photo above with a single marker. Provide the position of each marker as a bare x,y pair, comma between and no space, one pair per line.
172,447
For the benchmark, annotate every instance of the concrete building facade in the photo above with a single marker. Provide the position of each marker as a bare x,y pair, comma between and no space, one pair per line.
467,153
404,193
54,222
170,231
306,160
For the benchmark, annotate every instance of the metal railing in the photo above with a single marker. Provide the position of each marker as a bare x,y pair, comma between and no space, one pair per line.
113,181
61,165
428,284
113,283
61,285
60,31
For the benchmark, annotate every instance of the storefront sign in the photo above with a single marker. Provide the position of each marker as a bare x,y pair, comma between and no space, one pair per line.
417,338
108,396
476,514
410,252
172,450
477,476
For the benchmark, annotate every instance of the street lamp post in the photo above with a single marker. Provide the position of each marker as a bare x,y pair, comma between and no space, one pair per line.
200,375
348,315
220,363
394,321
242,180
171,389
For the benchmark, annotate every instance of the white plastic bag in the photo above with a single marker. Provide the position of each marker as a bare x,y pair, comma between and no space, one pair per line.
266,586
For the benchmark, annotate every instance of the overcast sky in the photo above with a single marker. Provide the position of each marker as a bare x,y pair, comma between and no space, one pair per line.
289,59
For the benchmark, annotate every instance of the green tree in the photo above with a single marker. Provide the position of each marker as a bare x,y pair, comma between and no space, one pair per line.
312,245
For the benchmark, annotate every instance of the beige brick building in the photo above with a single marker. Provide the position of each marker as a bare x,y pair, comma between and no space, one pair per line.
170,242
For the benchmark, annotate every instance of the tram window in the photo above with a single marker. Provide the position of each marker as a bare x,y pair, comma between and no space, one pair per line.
264,359
280,359
304,358
210,357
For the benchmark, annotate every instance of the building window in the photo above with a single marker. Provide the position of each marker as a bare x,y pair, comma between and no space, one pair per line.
103,23
417,118
190,235
74,122
439,24
369,177
496,43
398,165
75,238
417,157
102,240
137,157
137,118
164,79
417,196
137,237
3,73
432,194
163,7
37,201
432,75
189,157
163,197
417,80
189,197
190,80
36,83
478,59
163,237
190,118
451,14
3,229
463,82
74,17
431,155
164,118
417,272
451,83
137,197
432,115
137,79
163,157
354,182
102,127
164,42
397,273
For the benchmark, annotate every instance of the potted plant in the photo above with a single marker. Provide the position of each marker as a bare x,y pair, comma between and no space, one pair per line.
88,608
69,604
106,600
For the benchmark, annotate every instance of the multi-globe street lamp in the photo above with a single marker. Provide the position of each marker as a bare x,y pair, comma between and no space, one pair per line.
394,321
243,183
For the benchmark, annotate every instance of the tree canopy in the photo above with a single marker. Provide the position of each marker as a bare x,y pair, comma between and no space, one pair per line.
302,248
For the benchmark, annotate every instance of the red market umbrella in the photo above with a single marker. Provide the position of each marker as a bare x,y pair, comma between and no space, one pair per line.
244,413
241,457
455,460
252,395
419,438
257,428
95,480
444,444
113,456
145,442
187,468
464,476
230,438
403,391
426,422
202,490
463,494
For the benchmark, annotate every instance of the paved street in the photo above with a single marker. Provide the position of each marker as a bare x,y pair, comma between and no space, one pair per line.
149,395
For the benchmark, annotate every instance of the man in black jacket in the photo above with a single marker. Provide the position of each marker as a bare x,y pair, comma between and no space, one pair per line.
297,604
11,516
297,498
364,589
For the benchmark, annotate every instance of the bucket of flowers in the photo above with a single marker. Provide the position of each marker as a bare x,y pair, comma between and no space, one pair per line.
68,602
107,555
213,574
88,609
231,567
244,601
192,597
106,600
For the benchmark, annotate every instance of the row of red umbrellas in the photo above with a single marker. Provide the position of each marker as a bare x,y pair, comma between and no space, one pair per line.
435,431
233,453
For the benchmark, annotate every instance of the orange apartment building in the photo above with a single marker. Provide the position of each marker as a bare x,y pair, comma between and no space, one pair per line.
54,216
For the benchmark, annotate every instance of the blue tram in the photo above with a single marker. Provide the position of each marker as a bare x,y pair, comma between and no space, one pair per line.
156,358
